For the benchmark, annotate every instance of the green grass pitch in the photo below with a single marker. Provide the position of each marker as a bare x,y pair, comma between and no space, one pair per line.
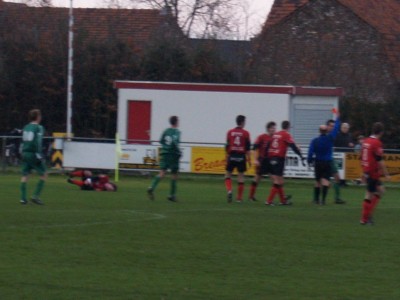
91,245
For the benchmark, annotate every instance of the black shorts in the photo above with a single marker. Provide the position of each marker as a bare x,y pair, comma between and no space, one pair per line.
323,170
277,165
236,161
264,167
372,184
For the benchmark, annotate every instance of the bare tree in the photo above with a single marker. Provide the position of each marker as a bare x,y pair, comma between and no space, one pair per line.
198,18
41,3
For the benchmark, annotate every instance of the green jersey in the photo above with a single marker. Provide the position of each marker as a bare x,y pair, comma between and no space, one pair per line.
32,138
170,140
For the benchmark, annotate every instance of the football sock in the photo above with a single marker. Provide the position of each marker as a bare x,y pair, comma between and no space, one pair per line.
374,203
77,182
39,188
324,193
76,174
23,190
155,182
240,190
317,191
337,190
228,184
272,193
366,209
173,187
253,189
281,193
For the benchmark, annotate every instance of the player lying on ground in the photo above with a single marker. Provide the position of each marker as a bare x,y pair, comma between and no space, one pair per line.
260,157
277,150
88,182
32,158
237,156
373,168
170,155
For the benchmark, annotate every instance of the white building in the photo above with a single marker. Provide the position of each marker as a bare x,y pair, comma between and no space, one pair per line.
207,111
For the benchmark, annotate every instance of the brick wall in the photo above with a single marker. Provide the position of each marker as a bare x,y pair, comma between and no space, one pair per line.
325,44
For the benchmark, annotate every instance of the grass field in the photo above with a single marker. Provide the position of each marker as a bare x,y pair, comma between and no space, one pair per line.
90,245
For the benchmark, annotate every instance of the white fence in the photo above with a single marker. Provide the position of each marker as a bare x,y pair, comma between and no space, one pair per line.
206,159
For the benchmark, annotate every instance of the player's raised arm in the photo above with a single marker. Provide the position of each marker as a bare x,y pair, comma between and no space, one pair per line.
336,129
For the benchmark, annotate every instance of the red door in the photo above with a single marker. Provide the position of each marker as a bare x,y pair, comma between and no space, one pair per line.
139,119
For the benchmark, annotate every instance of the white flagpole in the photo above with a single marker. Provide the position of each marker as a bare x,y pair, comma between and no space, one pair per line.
70,70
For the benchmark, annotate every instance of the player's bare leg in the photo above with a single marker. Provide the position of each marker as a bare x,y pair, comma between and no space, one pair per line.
240,187
154,183
24,182
228,186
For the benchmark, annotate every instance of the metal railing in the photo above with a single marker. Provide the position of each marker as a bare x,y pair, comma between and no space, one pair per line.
10,148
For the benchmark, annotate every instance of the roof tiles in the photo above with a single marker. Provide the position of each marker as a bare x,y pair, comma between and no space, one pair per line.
383,15
129,25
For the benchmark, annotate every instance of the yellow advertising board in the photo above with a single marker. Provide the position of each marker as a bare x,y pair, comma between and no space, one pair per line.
353,166
210,160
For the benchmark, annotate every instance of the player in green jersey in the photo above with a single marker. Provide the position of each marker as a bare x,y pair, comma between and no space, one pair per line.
169,160
32,158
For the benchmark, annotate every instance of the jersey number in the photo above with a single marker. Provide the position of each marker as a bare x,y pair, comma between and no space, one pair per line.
275,144
237,141
168,140
28,136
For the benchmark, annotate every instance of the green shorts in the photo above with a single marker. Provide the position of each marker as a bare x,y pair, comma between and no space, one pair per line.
169,162
31,162
334,167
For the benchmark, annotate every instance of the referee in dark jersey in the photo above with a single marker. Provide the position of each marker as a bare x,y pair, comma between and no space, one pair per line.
320,155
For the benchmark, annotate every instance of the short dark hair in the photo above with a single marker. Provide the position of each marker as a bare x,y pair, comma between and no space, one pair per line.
240,120
285,125
330,121
377,128
34,114
270,124
173,120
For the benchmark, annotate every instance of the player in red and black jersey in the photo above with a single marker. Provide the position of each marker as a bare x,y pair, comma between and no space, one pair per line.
276,154
88,182
373,168
237,156
260,157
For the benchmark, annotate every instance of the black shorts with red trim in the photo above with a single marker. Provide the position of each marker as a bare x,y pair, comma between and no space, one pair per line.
238,162
264,167
277,165
373,183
